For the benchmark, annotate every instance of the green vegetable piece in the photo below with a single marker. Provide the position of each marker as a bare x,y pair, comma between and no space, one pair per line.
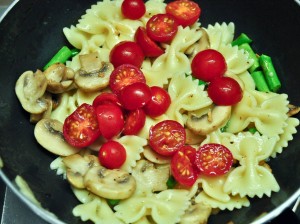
74,51
252,130
113,202
270,73
171,182
252,55
60,57
224,128
242,39
260,82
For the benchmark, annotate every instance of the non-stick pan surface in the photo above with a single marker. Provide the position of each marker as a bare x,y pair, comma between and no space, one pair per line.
31,33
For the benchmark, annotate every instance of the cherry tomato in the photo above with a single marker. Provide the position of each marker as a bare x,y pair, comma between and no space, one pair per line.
125,75
225,91
162,27
182,169
110,119
208,64
106,98
112,155
134,122
81,128
149,47
159,103
133,9
167,137
135,95
126,52
213,159
185,12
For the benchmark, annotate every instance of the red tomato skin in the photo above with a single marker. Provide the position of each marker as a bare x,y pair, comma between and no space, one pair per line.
125,75
81,128
106,98
133,9
162,28
126,52
225,91
159,102
149,47
134,122
110,119
112,155
213,159
135,96
208,64
182,169
167,137
185,12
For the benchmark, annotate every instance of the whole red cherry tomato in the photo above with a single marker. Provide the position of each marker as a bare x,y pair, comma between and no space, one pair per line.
134,122
133,9
126,52
81,128
159,103
213,159
112,155
135,96
208,64
185,12
225,91
162,27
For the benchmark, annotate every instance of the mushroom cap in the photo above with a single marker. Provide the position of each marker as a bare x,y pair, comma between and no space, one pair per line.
196,214
30,89
48,133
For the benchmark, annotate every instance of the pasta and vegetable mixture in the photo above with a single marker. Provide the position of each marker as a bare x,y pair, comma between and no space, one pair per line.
156,119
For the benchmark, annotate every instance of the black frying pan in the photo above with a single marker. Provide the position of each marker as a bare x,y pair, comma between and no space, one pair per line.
32,32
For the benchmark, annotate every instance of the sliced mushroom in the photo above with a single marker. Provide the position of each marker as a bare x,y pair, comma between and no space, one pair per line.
200,123
293,110
154,157
196,214
34,118
201,45
48,133
94,73
192,138
59,78
30,89
111,184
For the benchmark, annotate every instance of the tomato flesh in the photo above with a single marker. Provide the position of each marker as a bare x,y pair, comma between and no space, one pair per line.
112,155
133,9
208,64
225,91
185,12
167,137
213,159
162,27
125,75
81,128
134,122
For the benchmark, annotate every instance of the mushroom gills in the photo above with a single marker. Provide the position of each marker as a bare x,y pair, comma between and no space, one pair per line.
196,214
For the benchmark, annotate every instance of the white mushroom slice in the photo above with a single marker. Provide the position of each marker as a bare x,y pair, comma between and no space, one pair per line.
48,133
200,123
34,118
94,73
154,157
192,138
112,184
30,89
196,214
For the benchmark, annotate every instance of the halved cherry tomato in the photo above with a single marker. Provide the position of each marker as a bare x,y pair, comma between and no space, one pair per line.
133,9
81,128
106,98
135,95
149,47
185,12
225,91
112,155
159,103
134,122
110,119
126,52
213,159
125,75
162,27
182,169
208,64
167,137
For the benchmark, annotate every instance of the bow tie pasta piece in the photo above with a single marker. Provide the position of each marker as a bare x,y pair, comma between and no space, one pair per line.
153,8
247,80
250,178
